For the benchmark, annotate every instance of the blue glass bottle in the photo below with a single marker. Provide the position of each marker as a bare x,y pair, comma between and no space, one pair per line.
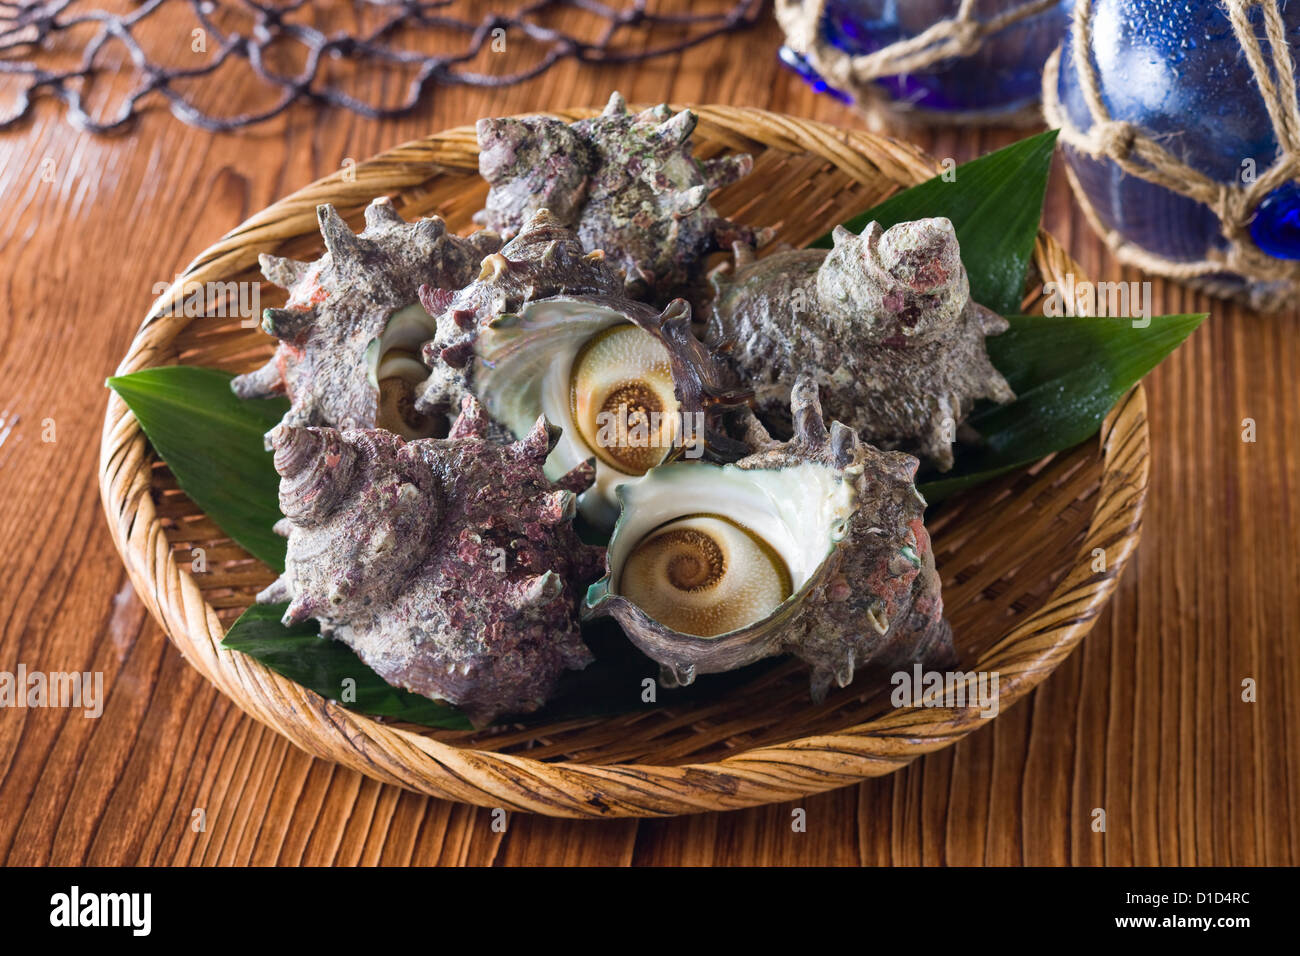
1175,69
1004,75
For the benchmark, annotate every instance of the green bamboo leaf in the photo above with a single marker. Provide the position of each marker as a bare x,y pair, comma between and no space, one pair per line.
212,442
995,204
321,664
1067,373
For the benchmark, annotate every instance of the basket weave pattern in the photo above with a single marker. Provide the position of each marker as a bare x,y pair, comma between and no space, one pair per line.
1015,556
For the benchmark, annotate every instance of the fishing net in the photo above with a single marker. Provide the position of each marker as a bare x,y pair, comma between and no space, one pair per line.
106,62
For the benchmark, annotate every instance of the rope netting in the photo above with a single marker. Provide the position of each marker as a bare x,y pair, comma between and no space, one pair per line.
162,38
1138,154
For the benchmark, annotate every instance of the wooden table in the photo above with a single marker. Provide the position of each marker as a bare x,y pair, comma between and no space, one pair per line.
1145,721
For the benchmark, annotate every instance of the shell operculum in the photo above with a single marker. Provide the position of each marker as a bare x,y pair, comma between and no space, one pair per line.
751,540
396,370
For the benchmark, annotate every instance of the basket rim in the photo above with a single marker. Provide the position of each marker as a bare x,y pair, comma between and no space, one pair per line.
766,774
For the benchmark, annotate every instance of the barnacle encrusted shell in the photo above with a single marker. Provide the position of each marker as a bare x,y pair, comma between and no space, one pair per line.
351,331
840,518
449,565
545,330
885,321
625,182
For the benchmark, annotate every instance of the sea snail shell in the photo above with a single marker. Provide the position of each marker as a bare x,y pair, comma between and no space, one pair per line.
814,546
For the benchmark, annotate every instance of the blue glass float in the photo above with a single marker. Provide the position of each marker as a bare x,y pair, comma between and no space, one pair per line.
1176,70
1003,75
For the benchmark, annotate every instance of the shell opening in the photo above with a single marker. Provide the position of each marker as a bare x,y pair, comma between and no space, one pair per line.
599,377
706,550
396,370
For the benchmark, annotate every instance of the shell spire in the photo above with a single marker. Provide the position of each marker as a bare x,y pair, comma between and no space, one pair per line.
884,319
626,183
314,466
345,246
544,259
351,329
283,272
537,444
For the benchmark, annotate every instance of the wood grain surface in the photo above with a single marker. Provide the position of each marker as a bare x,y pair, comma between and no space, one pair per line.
1146,721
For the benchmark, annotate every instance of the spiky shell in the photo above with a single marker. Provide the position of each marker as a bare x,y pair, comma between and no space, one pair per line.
354,303
845,518
884,320
544,260
625,182
449,565
510,338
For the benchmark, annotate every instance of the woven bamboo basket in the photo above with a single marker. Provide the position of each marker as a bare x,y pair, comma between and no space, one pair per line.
1015,554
